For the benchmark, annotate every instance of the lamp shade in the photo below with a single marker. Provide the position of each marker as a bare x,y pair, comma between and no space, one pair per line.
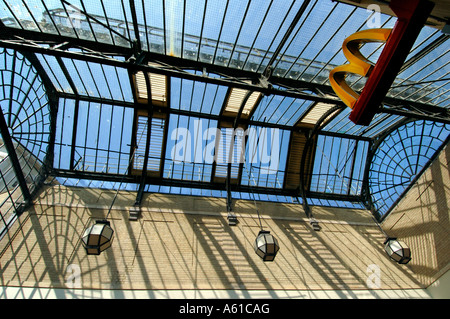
397,250
97,237
266,246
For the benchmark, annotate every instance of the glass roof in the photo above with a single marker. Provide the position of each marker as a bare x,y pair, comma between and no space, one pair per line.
201,59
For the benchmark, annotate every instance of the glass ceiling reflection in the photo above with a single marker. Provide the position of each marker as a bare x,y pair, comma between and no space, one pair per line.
300,41
241,35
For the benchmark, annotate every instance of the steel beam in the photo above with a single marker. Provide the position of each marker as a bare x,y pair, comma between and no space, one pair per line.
9,145
24,40
135,179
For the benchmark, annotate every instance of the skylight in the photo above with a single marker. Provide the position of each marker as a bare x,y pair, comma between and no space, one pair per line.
82,85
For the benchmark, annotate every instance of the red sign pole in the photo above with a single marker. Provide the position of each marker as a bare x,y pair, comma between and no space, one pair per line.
412,15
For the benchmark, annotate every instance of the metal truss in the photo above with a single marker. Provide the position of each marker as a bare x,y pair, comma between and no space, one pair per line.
106,54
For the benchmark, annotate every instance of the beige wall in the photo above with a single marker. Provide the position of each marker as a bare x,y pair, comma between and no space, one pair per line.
421,220
186,243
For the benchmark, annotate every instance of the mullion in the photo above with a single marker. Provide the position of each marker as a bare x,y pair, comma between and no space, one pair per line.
14,16
271,155
284,112
5,54
145,25
93,79
50,17
164,26
182,30
314,37
286,109
50,70
66,74
106,80
99,22
120,84
275,110
435,89
203,154
278,31
419,81
336,169
74,133
292,39
98,136
203,97
192,95
214,99
201,30
295,113
21,104
89,22
430,84
391,162
330,166
126,24
388,185
319,162
177,126
267,105
350,155
373,52
421,69
337,52
11,89
424,51
262,148
352,167
86,133
420,148
185,153
79,76
257,34
134,21
220,32
439,95
381,124
121,141
70,20
237,36
328,41
32,16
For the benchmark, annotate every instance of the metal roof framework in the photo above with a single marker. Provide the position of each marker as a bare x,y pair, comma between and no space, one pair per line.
137,93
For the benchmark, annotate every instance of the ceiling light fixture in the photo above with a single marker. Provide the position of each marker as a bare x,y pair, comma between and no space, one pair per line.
99,237
397,250
235,99
266,245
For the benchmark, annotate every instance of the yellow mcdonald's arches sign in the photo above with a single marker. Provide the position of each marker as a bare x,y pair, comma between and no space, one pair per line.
358,64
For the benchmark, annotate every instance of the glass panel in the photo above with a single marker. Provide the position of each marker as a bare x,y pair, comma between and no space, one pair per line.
190,148
339,165
265,162
400,157
103,137
152,18
197,96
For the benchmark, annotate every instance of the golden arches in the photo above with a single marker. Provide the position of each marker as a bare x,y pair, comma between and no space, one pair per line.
358,64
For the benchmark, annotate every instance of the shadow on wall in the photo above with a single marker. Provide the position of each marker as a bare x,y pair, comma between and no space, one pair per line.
174,250
421,219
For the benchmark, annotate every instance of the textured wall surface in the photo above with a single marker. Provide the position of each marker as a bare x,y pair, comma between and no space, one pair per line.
186,243
422,220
